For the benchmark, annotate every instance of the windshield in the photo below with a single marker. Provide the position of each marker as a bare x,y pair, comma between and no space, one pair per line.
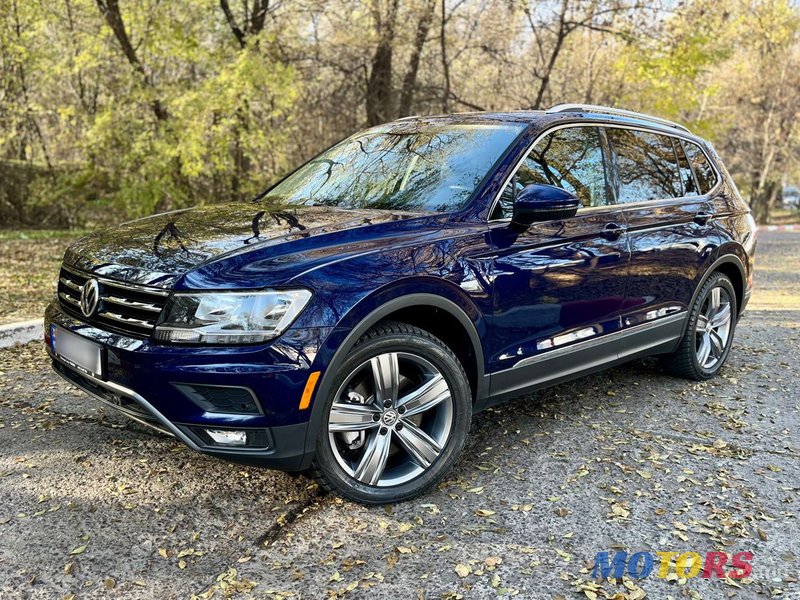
402,166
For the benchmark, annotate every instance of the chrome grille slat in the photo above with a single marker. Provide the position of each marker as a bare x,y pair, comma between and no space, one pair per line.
70,284
119,284
127,308
131,286
134,304
126,320
69,299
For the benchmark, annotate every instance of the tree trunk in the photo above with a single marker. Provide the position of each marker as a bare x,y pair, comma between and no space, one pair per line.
561,34
253,25
445,63
410,80
379,85
111,13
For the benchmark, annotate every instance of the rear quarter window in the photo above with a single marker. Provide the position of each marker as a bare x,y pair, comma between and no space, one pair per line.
703,171
687,175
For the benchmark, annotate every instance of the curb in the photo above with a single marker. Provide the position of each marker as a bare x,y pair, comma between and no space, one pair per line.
778,228
21,333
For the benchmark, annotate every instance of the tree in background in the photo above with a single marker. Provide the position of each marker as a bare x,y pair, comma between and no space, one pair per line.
150,105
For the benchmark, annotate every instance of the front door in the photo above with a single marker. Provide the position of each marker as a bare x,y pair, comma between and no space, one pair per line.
559,286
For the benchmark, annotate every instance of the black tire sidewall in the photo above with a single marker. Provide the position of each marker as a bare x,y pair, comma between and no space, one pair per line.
443,359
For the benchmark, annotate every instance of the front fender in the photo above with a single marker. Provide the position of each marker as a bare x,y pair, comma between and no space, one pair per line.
412,292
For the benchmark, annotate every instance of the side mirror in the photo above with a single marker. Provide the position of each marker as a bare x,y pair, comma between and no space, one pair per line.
541,202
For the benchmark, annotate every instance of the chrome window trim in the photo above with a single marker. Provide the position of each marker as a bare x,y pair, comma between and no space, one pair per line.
588,209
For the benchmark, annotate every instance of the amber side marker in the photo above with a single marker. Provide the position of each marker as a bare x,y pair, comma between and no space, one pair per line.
305,400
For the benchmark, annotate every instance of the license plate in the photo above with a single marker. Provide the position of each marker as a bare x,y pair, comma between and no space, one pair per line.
77,351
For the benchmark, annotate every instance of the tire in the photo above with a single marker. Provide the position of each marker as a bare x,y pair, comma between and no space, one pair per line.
704,347
370,448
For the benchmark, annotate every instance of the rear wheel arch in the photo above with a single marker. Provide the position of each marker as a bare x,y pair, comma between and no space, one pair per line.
730,265
735,273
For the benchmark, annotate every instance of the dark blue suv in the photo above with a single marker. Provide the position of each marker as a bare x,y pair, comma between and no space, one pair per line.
349,321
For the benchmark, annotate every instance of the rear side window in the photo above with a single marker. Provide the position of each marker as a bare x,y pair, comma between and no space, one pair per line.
569,158
647,167
706,177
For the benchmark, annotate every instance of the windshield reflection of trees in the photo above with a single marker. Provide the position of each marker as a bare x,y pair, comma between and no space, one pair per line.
410,168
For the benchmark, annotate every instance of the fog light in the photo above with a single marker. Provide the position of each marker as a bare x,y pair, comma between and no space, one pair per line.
226,437
252,438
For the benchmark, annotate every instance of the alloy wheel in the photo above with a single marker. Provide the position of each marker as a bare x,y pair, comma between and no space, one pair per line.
391,419
713,329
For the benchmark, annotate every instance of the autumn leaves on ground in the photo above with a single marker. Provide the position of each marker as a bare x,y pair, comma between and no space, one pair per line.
29,263
91,505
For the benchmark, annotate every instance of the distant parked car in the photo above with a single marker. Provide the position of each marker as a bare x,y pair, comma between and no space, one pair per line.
350,321
791,197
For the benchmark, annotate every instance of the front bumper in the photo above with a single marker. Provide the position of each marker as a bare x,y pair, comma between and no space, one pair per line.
145,380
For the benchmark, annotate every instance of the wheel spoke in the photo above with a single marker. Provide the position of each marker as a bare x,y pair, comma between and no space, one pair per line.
420,446
386,372
722,317
373,462
352,417
425,397
704,350
717,344
714,300
702,322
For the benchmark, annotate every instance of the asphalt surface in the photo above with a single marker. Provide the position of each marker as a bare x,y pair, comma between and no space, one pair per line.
92,505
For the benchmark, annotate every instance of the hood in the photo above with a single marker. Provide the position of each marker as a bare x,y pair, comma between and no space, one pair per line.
157,250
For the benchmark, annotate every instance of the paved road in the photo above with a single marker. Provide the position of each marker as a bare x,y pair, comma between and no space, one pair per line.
632,459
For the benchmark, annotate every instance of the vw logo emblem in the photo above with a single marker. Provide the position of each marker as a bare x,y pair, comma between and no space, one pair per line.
90,297
389,418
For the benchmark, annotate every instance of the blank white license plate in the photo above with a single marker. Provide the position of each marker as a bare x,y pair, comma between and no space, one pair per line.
78,350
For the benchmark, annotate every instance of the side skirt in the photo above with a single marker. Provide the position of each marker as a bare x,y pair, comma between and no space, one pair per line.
583,358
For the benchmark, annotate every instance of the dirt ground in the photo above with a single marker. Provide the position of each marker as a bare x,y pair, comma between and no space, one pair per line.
92,505
29,264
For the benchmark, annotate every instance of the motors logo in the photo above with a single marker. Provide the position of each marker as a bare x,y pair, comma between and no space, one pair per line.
687,565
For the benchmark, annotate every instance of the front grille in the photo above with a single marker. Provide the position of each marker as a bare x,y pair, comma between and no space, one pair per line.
123,307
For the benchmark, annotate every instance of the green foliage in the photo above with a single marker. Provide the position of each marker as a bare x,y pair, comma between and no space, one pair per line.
228,109
672,75
106,116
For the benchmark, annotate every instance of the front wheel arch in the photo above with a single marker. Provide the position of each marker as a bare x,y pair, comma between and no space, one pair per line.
365,324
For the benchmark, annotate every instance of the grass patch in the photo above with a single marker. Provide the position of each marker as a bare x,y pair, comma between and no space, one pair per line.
40,234
783,216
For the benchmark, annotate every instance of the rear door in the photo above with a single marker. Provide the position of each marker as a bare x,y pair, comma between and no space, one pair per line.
670,228
559,286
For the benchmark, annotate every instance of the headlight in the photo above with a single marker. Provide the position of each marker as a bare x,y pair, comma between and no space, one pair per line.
229,317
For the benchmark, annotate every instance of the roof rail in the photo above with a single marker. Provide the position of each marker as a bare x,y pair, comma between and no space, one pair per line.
559,108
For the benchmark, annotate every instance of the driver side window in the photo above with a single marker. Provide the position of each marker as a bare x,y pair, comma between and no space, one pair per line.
570,158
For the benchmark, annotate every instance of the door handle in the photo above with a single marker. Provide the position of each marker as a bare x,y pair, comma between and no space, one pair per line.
702,217
612,231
